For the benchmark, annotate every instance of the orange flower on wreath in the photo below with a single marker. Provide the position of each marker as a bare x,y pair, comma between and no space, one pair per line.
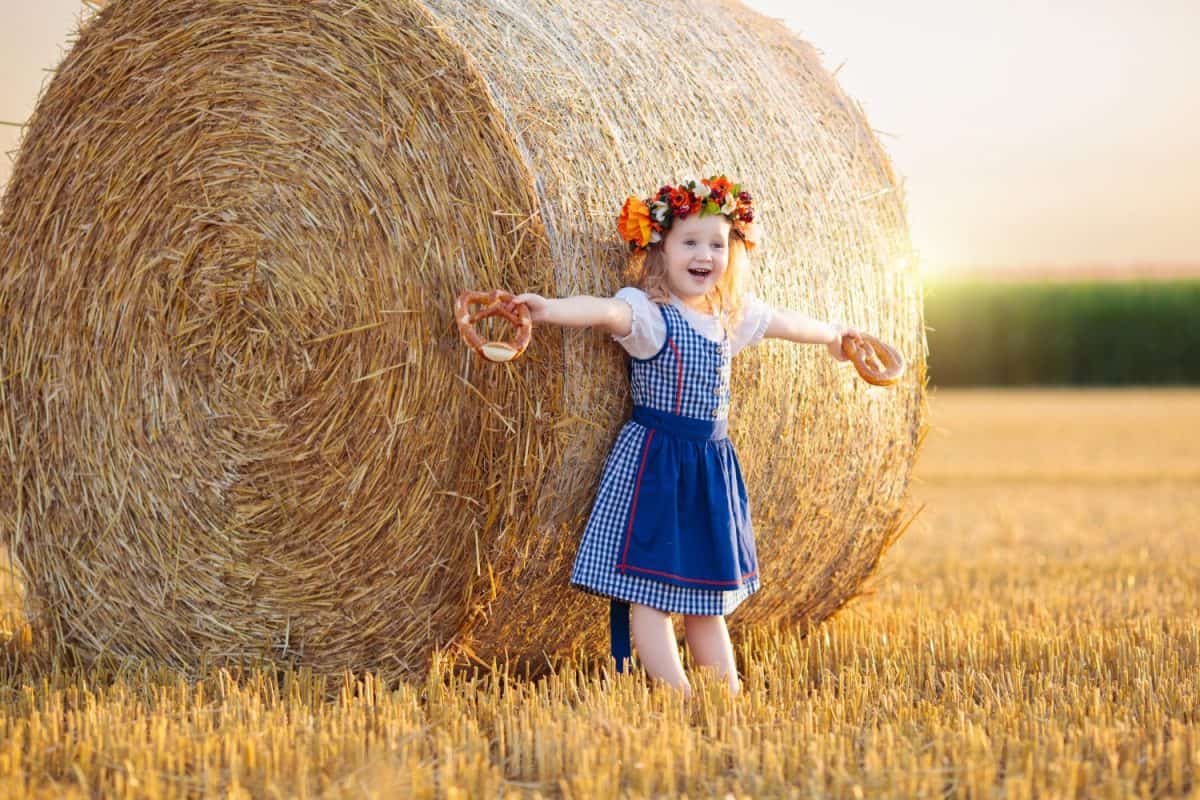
719,185
634,222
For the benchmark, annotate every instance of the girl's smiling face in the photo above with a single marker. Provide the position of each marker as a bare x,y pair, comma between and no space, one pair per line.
696,252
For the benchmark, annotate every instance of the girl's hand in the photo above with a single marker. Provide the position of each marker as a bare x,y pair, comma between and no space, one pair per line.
835,345
539,307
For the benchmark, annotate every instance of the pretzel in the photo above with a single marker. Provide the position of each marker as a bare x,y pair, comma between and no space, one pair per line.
496,303
877,362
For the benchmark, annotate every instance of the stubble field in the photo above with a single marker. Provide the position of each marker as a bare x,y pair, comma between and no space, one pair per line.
1034,633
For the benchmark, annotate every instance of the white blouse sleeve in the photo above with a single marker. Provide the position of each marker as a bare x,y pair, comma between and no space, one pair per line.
649,332
756,316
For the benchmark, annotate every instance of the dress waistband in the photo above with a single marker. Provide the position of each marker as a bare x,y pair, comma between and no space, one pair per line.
677,425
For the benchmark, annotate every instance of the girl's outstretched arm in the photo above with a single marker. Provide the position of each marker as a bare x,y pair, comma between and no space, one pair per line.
796,327
580,311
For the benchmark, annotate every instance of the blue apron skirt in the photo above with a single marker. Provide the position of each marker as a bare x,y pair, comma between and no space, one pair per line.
688,522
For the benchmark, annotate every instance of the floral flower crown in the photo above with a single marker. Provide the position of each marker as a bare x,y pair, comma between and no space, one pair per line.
644,222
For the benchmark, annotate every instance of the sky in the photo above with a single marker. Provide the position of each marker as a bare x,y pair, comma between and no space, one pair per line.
1026,133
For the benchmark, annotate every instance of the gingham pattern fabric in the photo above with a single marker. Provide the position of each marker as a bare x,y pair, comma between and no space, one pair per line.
688,376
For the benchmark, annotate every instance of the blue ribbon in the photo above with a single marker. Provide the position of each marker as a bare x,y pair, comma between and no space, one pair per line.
618,629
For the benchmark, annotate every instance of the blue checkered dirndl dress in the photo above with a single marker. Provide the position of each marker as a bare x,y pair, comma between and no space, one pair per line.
670,526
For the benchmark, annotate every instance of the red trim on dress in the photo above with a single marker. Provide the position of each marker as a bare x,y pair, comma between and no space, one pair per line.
685,578
637,487
679,379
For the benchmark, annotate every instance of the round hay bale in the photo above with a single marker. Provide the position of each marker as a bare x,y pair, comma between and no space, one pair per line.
234,404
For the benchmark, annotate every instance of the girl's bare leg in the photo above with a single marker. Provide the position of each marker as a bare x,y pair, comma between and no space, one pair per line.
654,639
708,639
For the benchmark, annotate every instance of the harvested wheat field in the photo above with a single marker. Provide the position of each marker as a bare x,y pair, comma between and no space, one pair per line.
1033,633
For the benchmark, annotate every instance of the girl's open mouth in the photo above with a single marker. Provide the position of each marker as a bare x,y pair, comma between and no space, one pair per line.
698,272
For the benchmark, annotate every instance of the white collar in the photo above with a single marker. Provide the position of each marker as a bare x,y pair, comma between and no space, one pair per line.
682,306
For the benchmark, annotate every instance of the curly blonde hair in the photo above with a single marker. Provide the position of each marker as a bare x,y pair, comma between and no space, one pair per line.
647,270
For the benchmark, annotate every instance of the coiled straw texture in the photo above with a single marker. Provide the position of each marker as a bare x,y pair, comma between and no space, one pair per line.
236,412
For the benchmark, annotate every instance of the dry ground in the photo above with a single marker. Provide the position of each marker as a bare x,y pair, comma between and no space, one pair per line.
1034,633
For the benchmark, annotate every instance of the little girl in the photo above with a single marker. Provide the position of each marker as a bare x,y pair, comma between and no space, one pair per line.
670,529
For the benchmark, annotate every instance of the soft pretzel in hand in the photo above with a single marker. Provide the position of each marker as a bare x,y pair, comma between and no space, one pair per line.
495,303
877,362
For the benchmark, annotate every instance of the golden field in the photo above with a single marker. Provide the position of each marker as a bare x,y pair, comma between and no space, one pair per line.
1034,633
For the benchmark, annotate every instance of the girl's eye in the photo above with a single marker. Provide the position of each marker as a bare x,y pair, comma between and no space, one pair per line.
689,242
